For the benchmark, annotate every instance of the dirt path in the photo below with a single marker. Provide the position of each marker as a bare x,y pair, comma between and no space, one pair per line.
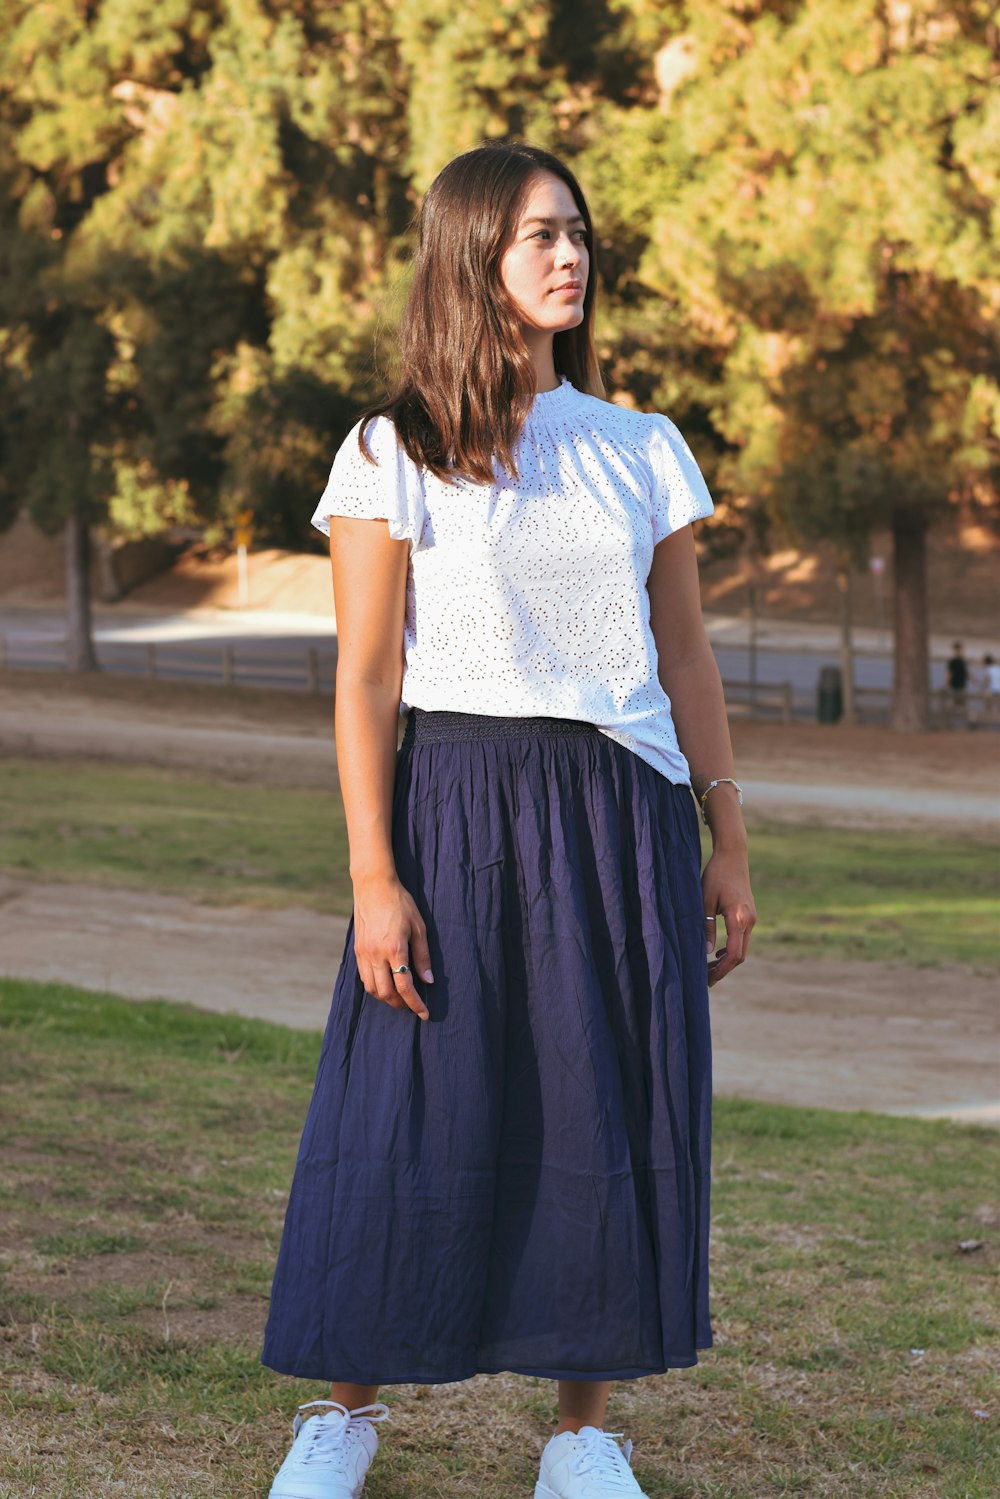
835,775
843,1035
835,1035
237,751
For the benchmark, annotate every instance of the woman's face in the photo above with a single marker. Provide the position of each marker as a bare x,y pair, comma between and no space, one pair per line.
546,265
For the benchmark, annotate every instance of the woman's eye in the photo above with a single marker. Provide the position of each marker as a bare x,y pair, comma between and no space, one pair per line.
578,235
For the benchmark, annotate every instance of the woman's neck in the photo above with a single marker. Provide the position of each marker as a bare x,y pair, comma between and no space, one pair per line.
540,348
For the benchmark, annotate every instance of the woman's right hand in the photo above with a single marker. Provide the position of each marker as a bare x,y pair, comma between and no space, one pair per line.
388,931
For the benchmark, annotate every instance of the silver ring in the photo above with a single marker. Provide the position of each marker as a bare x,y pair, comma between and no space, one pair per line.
711,918
401,969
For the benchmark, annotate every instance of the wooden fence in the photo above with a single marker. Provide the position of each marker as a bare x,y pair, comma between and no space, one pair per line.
313,670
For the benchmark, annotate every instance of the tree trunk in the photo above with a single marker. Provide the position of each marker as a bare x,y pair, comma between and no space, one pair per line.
847,643
910,695
80,655
108,589
752,647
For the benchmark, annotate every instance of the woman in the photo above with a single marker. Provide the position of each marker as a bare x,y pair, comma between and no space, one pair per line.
506,1160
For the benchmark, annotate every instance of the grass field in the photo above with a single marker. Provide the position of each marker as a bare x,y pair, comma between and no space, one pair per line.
917,897
147,1152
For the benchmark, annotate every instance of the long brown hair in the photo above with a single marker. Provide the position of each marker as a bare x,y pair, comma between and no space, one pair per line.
467,379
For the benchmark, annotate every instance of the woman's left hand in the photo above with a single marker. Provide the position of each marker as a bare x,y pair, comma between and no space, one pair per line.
725,884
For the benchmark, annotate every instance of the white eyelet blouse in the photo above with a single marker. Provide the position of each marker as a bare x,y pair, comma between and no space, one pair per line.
528,596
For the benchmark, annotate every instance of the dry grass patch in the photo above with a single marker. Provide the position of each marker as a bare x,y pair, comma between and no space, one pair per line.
147,1154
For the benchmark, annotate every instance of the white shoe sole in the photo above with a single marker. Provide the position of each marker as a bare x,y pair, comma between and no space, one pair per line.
295,1492
295,1489
542,1491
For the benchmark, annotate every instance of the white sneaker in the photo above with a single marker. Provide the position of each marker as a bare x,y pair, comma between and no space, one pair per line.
588,1464
330,1454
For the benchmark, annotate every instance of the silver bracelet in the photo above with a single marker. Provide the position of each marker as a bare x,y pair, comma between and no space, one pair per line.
722,781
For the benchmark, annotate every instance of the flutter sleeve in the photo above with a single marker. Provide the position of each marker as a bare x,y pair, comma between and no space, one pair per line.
680,494
389,489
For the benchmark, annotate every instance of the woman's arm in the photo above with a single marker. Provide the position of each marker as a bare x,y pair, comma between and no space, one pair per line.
369,589
690,676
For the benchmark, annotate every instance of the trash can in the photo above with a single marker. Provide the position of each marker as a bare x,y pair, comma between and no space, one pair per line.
830,695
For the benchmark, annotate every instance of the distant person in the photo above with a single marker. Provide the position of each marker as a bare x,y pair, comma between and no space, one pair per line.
505,1164
986,685
957,670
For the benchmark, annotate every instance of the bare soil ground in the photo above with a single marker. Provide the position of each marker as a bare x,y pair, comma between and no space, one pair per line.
829,1034
241,734
287,738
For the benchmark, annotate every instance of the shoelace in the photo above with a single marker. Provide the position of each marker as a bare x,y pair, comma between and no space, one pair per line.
328,1440
602,1456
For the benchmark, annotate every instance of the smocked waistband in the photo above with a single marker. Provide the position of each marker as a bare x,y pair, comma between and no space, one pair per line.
424,725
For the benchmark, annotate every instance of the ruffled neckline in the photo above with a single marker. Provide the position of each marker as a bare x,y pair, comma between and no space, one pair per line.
550,402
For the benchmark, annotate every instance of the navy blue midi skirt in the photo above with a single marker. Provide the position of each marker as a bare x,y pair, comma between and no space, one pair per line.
520,1182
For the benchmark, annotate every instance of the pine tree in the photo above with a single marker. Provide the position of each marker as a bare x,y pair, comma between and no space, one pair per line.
207,223
824,218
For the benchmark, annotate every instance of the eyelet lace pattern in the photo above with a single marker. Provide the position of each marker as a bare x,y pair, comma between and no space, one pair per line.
528,596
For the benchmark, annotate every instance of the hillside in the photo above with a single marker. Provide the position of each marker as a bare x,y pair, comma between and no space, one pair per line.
798,585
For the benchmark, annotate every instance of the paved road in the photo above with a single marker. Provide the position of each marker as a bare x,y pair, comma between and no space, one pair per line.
262,650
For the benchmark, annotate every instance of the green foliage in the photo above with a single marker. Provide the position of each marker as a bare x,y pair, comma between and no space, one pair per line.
822,215
206,219
479,70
